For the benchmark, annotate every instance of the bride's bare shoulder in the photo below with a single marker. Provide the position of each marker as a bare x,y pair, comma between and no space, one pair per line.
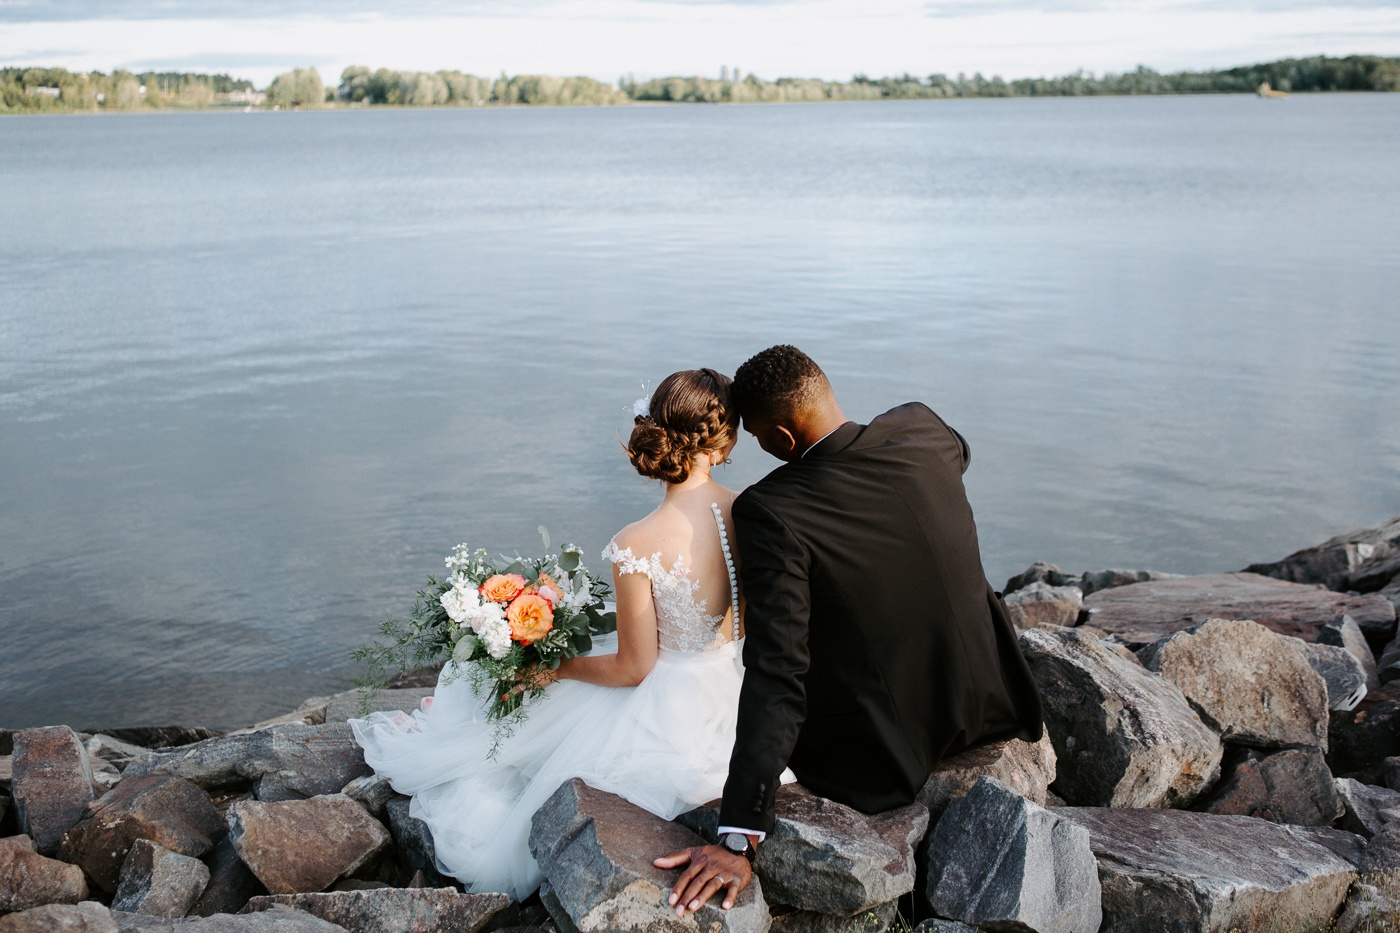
725,496
640,537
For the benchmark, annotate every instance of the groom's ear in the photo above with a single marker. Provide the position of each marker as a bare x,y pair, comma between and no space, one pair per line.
786,438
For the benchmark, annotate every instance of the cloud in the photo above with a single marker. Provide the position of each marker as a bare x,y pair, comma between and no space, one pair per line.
651,38
37,11
210,61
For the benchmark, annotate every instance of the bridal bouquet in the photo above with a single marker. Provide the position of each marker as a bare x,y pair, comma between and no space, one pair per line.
497,620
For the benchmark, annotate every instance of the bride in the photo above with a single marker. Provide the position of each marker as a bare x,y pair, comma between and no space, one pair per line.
650,717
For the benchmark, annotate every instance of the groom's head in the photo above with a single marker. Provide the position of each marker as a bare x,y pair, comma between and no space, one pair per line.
785,400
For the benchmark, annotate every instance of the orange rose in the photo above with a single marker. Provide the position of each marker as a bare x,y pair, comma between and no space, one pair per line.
503,587
531,618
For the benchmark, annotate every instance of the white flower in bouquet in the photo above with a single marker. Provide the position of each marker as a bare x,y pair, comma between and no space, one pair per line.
461,602
495,634
579,592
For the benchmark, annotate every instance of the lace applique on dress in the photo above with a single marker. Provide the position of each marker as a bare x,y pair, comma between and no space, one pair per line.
682,622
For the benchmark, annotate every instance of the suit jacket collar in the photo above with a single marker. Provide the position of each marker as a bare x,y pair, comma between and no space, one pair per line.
835,442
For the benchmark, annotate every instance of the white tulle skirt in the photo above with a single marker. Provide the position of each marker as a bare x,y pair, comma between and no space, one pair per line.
664,745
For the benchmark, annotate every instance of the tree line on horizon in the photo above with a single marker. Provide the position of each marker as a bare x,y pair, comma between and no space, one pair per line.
28,90
39,90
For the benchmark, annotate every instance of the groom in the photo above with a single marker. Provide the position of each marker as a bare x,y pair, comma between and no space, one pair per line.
875,645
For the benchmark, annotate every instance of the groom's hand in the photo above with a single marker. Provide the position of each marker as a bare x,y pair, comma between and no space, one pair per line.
709,868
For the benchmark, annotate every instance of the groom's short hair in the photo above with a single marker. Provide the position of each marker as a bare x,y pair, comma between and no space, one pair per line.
775,383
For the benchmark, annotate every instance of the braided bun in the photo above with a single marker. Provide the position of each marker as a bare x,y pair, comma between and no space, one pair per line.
690,415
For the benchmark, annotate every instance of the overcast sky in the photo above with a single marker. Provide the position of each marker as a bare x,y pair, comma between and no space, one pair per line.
608,38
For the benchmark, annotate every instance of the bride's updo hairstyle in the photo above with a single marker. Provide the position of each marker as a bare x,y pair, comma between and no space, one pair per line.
690,414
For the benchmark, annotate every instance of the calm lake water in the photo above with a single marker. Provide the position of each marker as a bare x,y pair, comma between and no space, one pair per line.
260,372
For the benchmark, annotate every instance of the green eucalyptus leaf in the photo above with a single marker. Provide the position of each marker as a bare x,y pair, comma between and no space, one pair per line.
464,650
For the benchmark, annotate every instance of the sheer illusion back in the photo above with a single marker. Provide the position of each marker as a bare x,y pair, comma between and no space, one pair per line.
683,618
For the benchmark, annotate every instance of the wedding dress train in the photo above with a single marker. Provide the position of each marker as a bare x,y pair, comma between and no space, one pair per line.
664,745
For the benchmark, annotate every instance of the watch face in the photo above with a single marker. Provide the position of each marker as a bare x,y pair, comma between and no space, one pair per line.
735,842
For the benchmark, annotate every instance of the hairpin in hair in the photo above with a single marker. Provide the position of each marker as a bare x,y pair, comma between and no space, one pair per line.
641,408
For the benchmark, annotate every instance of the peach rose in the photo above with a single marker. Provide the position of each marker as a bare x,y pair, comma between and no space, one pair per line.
503,587
531,618
549,589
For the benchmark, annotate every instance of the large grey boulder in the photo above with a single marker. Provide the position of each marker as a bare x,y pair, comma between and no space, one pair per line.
1388,667
1290,786
1042,604
86,917
51,783
1392,593
231,883
1145,612
304,846
169,811
414,841
162,737
1345,633
1028,768
373,792
1123,737
113,751
1370,576
1200,872
28,879
276,919
998,861
1360,740
1040,572
1089,582
283,763
1368,808
159,883
1390,772
1095,581
558,913
1251,685
1382,853
403,910
1341,672
596,850
1338,555
826,857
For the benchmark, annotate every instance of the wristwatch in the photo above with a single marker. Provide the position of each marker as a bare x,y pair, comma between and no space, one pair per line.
739,844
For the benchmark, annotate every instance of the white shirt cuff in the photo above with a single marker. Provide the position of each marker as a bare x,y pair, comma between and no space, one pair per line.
723,830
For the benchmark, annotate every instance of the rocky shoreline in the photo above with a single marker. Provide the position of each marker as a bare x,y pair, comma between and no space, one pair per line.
1222,752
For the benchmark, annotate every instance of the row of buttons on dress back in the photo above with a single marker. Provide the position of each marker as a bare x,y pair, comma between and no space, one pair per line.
729,564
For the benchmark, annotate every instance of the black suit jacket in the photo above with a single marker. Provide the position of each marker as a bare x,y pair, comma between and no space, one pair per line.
874,644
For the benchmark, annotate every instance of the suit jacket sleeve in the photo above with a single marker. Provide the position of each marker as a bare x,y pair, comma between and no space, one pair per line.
773,700
958,451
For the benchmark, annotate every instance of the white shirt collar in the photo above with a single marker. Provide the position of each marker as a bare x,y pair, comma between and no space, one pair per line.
824,437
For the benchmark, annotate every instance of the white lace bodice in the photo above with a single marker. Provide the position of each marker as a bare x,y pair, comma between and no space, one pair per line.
682,622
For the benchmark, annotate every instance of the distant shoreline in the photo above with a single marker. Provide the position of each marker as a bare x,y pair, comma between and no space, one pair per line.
56,90
649,104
